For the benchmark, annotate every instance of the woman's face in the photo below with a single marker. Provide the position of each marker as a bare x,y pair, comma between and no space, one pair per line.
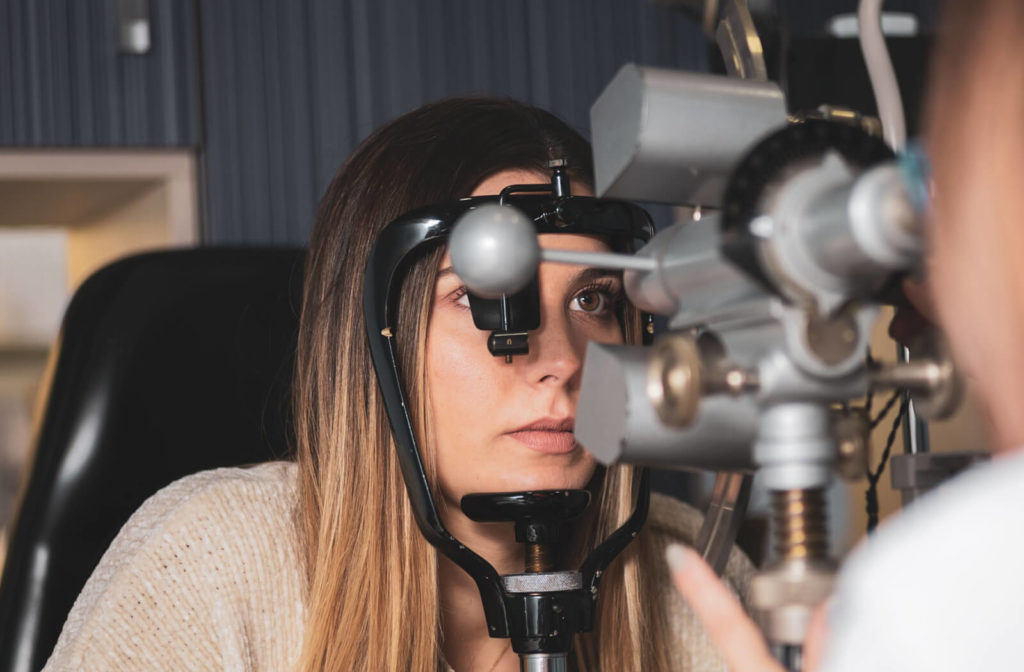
503,427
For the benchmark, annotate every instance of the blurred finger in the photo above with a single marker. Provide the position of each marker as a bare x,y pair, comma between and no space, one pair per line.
737,639
817,632
907,324
920,296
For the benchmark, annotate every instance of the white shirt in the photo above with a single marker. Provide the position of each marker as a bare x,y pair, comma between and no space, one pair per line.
941,586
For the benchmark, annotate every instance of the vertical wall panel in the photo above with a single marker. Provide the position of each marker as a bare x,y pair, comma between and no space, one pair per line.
63,82
289,88
329,59
82,77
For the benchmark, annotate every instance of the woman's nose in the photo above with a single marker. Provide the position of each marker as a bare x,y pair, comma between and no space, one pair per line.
556,355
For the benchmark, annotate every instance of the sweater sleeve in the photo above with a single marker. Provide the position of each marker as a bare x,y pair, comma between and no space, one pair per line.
174,591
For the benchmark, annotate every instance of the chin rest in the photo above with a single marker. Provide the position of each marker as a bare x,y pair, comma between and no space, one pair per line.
168,363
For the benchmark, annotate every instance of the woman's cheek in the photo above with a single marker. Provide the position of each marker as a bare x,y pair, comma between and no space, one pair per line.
459,358
463,394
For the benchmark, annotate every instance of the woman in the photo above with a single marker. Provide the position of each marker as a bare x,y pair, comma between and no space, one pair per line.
939,587
320,566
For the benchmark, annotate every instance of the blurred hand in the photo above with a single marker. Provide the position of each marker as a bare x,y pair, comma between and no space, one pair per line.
734,634
908,323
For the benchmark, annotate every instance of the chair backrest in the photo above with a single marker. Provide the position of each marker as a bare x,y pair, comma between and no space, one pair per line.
168,363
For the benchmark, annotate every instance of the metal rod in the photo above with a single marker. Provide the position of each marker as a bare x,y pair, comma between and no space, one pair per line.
538,558
625,262
914,377
722,521
915,430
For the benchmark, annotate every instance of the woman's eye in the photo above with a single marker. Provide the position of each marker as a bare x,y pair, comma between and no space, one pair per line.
462,297
590,301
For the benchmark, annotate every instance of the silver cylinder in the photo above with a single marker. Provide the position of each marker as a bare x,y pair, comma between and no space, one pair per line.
836,233
863,228
616,422
795,448
543,662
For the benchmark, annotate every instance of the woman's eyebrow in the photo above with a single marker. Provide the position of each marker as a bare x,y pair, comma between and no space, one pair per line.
584,276
588,275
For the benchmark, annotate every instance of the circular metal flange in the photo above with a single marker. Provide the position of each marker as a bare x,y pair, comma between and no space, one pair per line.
542,582
674,382
766,165
543,662
785,595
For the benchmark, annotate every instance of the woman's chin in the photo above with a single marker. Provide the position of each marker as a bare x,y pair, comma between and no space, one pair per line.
545,479
520,477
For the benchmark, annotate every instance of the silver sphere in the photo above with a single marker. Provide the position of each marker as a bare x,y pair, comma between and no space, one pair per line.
494,250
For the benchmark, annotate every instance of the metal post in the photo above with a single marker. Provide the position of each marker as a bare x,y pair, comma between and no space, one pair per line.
915,430
543,662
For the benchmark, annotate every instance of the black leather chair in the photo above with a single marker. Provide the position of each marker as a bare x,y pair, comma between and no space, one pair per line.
168,363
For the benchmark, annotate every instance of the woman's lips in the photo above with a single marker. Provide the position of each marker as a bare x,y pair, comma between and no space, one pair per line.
554,442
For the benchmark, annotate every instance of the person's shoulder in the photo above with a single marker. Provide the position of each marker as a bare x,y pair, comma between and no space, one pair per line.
673,517
952,552
269,487
222,511
263,481
200,558
245,496
673,521
985,500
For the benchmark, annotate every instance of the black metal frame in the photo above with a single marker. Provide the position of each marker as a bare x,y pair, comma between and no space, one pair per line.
393,253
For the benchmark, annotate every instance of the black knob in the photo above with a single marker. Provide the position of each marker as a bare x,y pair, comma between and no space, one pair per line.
538,515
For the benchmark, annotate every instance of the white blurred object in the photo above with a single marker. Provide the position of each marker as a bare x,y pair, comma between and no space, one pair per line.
917,597
894,24
33,286
881,73
133,26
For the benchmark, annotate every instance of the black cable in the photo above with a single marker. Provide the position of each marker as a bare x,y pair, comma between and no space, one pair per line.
890,402
871,496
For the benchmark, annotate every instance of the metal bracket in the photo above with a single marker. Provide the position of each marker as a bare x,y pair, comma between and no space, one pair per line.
741,47
722,520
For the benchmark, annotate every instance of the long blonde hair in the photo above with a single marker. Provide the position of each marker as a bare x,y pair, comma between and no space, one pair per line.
373,601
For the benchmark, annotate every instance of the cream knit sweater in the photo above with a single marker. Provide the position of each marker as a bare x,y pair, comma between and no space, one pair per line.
207,575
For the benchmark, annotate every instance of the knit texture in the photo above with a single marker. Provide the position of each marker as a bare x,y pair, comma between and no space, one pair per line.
207,575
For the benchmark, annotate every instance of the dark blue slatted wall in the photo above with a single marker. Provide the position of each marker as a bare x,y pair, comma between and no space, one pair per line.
275,93
64,84
290,87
